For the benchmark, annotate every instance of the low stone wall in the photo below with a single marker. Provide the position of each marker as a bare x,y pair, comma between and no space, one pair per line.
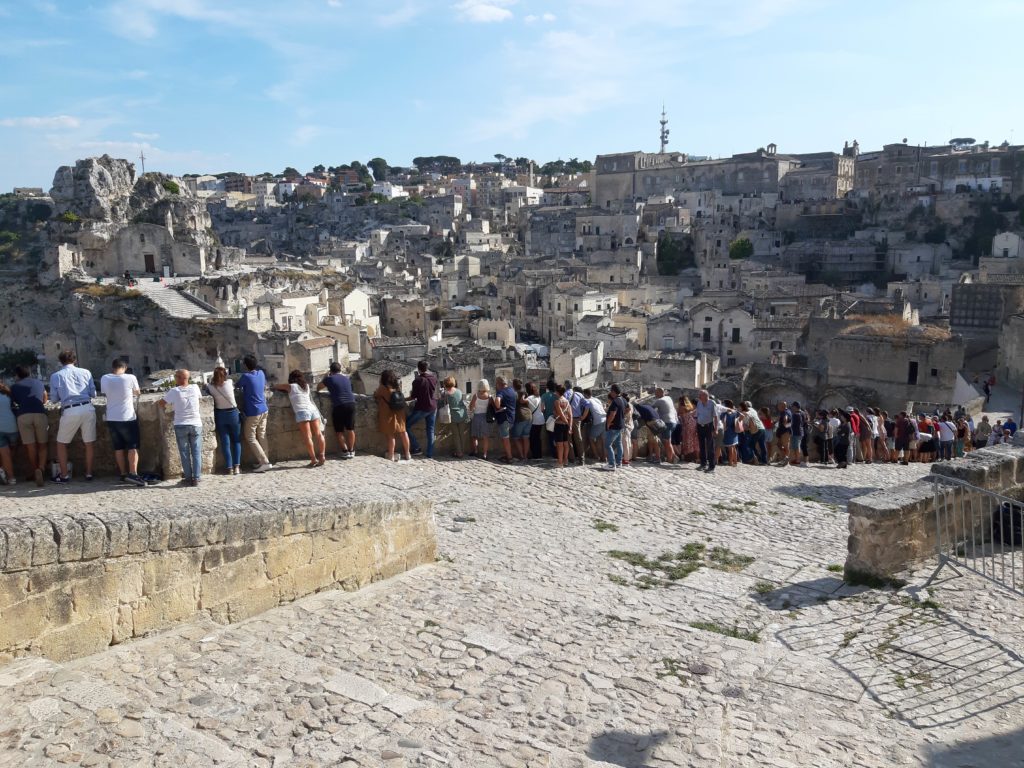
159,453
893,529
72,584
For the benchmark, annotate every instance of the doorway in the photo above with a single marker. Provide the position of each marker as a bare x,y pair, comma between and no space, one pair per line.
150,263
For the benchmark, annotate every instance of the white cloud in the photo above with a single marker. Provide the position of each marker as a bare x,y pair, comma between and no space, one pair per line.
484,11
334,3
146,136
45,123
305,134
549,17
401,15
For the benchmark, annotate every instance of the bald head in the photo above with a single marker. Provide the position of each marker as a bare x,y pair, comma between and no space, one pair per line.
181,377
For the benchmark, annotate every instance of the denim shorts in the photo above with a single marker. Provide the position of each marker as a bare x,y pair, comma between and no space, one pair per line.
303,414
8,439
124,435
794,442
505,429
597,431
521,429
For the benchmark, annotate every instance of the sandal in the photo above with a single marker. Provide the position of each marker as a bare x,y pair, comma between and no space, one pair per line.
312,464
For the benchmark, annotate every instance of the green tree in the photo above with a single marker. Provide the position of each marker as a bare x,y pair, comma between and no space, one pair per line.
12,358
673,255
319,169
290,173
741,248
379,167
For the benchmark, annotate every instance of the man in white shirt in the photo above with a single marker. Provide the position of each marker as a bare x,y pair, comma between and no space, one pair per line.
188,425
121,389
667,413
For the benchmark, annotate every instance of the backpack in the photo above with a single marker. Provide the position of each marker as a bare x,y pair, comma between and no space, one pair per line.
492,413
524,412
397,401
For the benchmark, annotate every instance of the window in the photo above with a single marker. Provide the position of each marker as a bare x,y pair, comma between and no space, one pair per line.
735,335
469,387
935,168
492,336
899,170
962,166
707,319
935,373
995,165
575,307
667,343
912,373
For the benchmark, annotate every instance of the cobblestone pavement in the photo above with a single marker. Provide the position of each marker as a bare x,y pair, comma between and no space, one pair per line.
528,644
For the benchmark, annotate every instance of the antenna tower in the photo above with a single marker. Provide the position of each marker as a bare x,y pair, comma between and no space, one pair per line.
664,129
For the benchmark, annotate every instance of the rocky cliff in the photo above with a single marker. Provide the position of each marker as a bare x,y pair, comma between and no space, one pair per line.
97,188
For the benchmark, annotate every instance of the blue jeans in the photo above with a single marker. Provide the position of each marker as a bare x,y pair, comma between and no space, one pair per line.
190,448
229,435
945,450
428,418
613,447
758,446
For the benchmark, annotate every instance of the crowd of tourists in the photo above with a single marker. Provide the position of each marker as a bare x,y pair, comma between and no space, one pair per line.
571,425
511,422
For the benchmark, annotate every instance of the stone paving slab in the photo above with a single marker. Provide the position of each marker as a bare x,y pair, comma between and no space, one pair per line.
527,644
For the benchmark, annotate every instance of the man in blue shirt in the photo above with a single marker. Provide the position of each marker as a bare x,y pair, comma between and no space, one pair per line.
74,389
576,404
614,422
28,396
343,409
1011,425
505,410
253,385
706,414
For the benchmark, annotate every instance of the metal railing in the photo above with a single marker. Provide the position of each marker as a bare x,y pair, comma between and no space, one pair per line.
979,531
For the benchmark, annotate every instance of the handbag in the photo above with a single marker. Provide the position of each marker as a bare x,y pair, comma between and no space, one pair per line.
550,423
492,412
444,413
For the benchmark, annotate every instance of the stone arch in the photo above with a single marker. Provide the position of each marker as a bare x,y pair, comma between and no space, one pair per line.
776,390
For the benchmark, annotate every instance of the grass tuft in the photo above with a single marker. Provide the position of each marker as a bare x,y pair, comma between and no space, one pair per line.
733,631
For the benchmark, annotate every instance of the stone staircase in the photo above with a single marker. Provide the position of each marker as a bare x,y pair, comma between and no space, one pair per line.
175,303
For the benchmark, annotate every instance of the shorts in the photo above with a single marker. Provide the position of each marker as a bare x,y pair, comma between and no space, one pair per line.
890,443
794,442
34,428
913,444
597,431
305,414
8,439
901,445
677,434
782,435
124,435
521,430
561,433
344,417
73,419
505,430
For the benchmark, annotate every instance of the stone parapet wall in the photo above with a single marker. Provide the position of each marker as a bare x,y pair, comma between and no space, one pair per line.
74,583
893,529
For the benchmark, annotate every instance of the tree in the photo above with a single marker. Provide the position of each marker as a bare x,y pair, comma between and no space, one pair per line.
673,255
319,169
290,173
741,248
379,166
500,157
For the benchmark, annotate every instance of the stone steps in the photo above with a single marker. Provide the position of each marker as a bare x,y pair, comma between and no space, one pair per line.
176,304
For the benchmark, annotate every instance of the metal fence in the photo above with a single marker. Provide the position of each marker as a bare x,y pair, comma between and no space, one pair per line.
979,531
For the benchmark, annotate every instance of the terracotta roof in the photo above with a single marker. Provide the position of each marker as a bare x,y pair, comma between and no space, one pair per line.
318,343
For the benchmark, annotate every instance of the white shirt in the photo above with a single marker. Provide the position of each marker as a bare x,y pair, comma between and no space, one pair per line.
538,410
666,409
947,432
300,398
120,389
597,409
185,402
223,395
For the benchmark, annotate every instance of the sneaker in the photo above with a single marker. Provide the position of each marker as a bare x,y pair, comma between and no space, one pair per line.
63,479
3,477
351,454
417,451
344,455
264,467
606,468
39,478
124,478
135,480
12,481
405,460
88,478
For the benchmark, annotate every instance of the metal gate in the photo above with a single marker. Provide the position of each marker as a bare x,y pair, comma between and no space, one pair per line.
979,531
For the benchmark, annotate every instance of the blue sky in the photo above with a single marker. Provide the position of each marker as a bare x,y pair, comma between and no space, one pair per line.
249,85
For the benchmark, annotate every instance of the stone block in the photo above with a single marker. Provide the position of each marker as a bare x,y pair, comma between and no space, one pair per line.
138,533
216,556
59,575
44,542
170,570
305,580
219,585
294,552
18,541
13,588
252,602
186,531
21,623
159,529
79,639
116,527
165,608
94,536
68,534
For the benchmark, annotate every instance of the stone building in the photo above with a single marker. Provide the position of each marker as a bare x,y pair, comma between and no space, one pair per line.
564,304
904,169
906,365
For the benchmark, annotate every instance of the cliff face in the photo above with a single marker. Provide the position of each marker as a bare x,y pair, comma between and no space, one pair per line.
97,188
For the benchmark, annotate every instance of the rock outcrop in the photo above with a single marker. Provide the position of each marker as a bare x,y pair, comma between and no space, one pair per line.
96,188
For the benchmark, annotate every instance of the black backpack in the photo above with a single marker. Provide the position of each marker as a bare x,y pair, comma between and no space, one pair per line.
397,401
492,412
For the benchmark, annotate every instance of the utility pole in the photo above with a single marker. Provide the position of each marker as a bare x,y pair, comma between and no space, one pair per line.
142,159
